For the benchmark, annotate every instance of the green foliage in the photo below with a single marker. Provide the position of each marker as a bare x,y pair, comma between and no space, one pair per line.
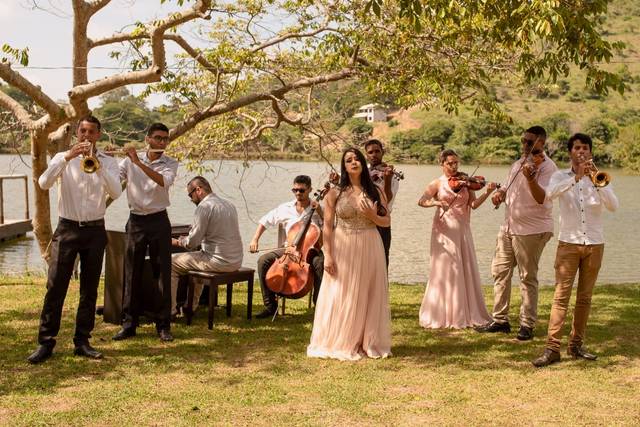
475,130
19,55
498,150
601,128
392,123
626,150
358,127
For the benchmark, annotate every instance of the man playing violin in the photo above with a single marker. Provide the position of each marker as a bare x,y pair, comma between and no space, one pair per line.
288,214
527,227
382,175
580,247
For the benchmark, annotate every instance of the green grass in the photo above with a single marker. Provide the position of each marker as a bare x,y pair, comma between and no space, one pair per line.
256,372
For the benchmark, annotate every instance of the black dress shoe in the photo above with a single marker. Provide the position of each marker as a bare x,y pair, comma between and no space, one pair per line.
42,353
525,334
165,335
548,357
124,333
580,353
265,314
496,327
86,350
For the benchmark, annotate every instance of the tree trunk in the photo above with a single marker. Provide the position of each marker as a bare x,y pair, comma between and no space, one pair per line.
42,215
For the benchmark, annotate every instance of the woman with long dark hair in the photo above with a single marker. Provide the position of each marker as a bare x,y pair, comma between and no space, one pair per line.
352,317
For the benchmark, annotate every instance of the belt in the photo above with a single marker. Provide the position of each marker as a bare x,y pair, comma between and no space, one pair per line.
95,223
149,216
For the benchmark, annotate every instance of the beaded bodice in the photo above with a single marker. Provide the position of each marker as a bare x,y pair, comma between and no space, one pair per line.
349,217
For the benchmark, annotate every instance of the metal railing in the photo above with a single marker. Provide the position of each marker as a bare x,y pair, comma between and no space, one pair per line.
26,194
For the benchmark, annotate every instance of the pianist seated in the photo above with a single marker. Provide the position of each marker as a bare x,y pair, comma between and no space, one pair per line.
213,244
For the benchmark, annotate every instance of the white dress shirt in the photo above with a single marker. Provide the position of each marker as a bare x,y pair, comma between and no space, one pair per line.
144,195
287,214
215,228
82,196
581,207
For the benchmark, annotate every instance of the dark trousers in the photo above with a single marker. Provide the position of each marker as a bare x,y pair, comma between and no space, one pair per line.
385,233
70,240
267,260
147,234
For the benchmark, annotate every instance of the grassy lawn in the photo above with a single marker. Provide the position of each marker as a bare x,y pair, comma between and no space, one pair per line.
256,372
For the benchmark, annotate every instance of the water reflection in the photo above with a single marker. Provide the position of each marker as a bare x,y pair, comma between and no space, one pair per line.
263,186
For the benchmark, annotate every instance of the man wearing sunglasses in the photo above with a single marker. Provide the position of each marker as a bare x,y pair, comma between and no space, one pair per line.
214,239
148,176
527,227
288,214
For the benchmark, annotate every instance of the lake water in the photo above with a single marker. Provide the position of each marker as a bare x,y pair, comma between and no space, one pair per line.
262,186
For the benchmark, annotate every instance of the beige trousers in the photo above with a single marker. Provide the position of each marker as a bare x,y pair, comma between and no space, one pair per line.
571,259
523,251
182,263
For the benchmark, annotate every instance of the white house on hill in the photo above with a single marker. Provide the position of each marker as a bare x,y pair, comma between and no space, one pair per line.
372,113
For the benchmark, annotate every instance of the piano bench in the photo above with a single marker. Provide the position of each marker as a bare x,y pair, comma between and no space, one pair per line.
213,280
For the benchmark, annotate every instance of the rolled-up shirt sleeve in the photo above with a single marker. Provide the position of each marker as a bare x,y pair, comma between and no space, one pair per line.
56,167
169,172
270,219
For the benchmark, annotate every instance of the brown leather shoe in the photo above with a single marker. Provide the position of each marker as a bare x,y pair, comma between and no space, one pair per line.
580,353
548,357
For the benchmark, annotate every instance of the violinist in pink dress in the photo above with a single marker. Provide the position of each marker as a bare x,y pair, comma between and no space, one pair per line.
453,297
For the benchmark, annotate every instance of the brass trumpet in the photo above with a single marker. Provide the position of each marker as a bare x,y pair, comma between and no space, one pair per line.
599,178
90,163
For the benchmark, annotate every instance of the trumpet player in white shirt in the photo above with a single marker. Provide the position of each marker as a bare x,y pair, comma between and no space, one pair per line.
583,194
85,178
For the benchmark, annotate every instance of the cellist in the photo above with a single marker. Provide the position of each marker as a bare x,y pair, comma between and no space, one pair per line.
288,214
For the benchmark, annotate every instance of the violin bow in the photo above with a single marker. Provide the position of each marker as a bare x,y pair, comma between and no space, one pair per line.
513,178
456,196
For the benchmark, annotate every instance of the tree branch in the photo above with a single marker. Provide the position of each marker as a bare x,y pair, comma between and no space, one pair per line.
157,67
287,36
16,80
17,110
218,109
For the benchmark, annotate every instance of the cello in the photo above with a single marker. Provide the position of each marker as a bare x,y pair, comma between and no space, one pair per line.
290,275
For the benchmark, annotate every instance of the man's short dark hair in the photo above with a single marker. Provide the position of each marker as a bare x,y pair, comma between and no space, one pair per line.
201,182
302,179
90,119
585,139
157,126
372,142
446,153
538,131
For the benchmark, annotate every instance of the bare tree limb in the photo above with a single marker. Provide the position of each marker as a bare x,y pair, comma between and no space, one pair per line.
157,67
218,109
18,111
16,80
288,36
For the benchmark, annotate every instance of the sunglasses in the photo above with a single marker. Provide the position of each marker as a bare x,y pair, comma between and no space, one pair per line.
536,152
191,192
298,190
527,141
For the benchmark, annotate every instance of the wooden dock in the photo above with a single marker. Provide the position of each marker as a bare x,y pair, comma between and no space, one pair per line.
14,228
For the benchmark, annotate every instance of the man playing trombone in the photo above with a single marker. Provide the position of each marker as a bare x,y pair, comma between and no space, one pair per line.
80,231
149,176
583,197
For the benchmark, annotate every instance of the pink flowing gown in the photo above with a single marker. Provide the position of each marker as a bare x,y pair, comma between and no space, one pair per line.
453,297
352,317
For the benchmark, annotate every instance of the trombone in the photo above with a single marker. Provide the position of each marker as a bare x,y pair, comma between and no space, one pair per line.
91,164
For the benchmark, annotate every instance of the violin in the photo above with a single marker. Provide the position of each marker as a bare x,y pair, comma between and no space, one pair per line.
460,180
377,173
291,275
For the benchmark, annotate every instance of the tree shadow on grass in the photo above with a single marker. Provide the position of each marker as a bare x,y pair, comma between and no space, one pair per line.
261,347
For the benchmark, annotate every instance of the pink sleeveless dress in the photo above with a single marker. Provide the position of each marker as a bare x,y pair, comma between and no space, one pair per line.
352,317
453,297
